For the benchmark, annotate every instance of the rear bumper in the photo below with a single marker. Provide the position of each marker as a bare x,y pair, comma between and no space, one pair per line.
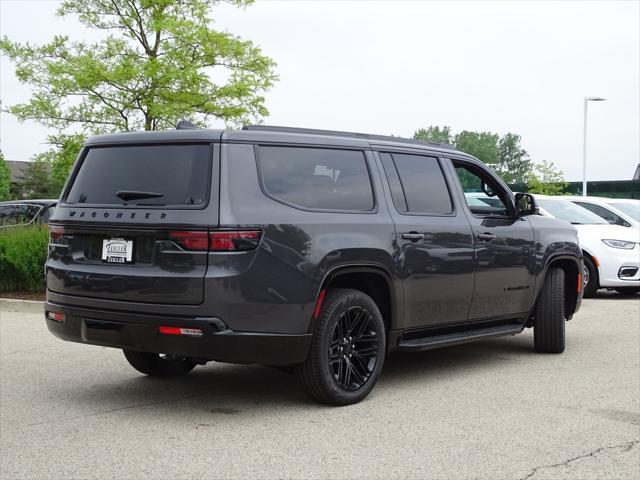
141,332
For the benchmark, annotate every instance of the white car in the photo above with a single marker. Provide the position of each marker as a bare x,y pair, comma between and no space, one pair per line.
611,252
617,211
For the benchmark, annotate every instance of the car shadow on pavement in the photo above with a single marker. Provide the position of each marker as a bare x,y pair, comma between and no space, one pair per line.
223,390
407,367
607,295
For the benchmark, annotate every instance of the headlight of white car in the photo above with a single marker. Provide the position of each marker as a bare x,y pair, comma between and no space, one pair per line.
619,244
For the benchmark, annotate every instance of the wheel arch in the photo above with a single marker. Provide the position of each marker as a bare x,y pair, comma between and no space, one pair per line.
572,267
373,280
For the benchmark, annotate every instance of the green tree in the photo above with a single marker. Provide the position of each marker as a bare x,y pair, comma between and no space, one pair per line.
482,145
60,158
5,179
434,134
160,61
36,179
504,154
546,179
514,164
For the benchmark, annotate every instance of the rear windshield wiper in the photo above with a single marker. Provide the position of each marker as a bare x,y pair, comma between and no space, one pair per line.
136,195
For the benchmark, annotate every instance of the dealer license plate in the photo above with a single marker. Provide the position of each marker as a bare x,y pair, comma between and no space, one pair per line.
117,250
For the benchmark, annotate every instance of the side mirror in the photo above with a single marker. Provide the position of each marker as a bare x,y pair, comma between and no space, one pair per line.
526,204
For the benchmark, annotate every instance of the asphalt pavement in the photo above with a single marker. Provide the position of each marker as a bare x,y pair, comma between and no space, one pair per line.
492,409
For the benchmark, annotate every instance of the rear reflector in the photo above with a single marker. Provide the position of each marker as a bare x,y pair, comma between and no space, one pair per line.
190,332
319,301
579,286
226,241
55,316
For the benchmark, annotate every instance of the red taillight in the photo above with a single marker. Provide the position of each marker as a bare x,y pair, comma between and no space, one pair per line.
190,240
56,232
227,241
217,241
189,332
55,316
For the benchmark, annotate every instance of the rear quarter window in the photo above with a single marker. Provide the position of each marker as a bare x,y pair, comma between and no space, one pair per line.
316,178
177,175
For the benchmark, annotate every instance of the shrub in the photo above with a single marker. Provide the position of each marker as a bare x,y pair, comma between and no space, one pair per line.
23,252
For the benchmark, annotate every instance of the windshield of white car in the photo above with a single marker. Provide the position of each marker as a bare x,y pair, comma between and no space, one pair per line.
633,210
570,212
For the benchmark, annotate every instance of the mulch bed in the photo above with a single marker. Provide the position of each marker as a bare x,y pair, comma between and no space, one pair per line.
23,296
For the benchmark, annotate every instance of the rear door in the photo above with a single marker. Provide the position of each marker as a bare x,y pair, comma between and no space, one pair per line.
133,223
434,245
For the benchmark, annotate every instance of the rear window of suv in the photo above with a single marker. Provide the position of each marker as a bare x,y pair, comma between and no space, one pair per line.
144,175
316,178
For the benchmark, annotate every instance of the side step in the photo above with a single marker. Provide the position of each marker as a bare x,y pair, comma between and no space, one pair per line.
447,339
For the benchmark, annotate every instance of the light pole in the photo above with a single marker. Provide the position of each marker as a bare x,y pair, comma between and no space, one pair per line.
584,142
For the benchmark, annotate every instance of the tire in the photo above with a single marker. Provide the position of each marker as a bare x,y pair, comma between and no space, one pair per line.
591,272
155,365
628,290
325,376
548,329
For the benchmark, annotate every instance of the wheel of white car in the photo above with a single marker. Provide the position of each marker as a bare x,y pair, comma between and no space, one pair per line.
590,277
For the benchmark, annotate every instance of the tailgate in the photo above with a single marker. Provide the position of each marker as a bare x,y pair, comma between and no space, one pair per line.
119,231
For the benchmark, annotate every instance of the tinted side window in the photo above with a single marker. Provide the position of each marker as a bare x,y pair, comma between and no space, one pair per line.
317,178
608,215
17,214
421,181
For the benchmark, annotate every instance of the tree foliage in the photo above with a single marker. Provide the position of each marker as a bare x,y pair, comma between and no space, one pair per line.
504,154
546,179
435,134
36,181
159,62
514,164
5,179
482,145
60,159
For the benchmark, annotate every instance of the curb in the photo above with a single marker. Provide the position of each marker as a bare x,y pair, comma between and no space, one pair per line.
24,306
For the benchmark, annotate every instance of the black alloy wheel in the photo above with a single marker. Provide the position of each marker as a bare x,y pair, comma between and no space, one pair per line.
353,350
347,350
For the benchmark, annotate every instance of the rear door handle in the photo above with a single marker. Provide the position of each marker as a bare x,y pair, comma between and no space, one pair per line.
486,236
413,236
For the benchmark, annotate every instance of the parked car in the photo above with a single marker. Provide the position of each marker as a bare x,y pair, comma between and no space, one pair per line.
316,250
611,252
26,212
616,211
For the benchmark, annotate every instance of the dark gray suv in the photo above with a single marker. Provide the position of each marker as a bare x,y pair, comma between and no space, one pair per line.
317,250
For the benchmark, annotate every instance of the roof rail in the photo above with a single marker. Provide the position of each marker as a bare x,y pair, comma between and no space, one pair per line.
336,133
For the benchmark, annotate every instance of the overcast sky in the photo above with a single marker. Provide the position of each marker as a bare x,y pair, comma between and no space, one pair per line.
393,67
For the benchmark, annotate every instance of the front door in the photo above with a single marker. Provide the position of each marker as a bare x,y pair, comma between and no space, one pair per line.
504,244
434,245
